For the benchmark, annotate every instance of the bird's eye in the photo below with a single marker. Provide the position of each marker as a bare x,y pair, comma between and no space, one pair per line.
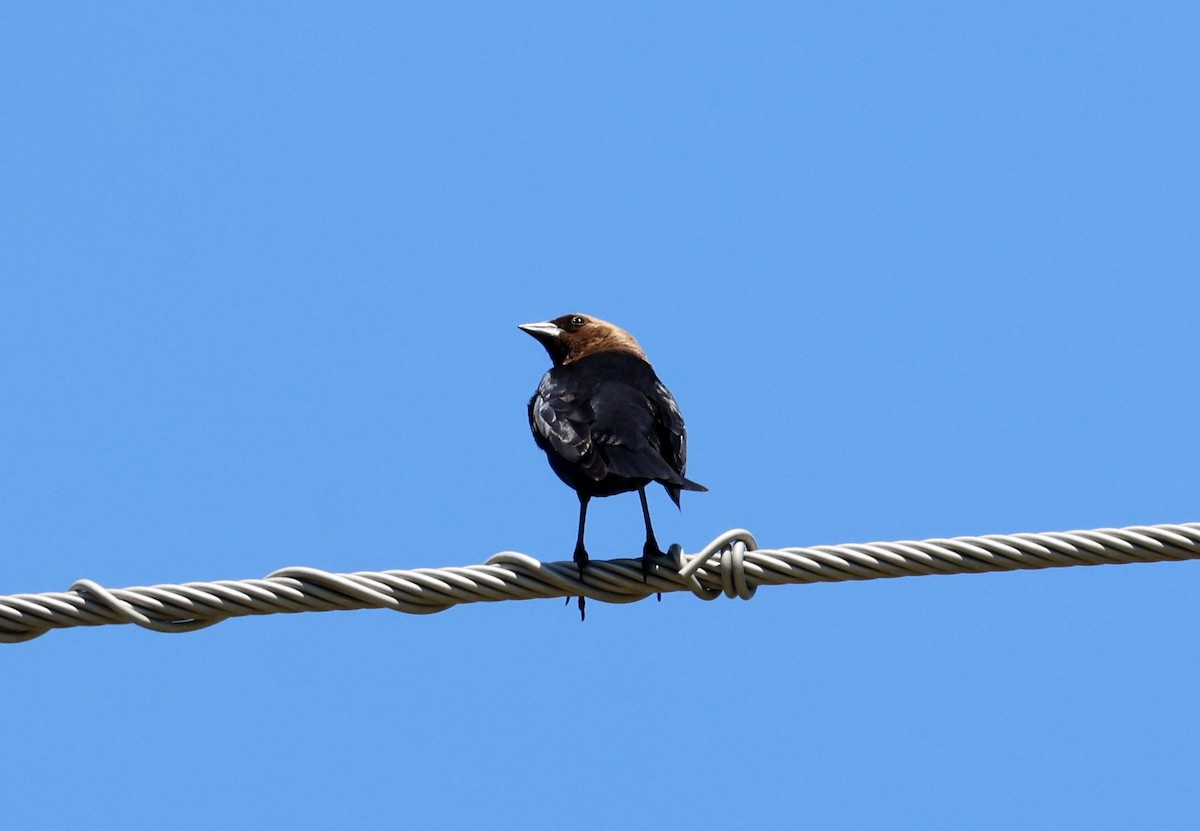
577,321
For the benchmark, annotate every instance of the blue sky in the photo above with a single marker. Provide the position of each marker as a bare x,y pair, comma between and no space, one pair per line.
911,270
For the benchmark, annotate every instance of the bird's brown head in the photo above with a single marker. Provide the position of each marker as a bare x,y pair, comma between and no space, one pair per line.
574,336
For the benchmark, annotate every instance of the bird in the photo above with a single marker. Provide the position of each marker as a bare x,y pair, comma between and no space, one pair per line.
606,422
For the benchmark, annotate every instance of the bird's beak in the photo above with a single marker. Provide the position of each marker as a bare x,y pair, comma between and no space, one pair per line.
544,331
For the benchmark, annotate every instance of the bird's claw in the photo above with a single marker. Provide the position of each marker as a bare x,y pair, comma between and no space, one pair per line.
581,559
650,552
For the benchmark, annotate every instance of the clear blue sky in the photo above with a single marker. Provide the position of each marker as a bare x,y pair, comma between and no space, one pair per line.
911,270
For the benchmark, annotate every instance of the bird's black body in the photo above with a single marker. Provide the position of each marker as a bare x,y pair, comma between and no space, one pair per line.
608,425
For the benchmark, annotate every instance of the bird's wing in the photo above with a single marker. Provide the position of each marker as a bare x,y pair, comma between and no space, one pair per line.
672,432
627,433
561,416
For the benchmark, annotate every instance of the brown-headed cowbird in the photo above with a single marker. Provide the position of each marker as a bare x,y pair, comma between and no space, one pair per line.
606,422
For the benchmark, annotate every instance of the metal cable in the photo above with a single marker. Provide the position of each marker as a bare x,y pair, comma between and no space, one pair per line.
732,565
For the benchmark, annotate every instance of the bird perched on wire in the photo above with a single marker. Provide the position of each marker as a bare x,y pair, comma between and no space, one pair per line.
606,422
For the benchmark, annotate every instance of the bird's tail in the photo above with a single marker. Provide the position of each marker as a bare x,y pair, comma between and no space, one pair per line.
674,489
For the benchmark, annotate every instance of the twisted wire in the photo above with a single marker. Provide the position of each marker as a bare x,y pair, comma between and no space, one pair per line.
732,564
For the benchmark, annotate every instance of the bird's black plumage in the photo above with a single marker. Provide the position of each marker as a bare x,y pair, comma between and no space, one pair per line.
606,422
608,426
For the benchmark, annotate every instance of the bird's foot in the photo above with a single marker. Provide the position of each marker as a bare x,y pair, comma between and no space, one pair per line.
581,559
650,552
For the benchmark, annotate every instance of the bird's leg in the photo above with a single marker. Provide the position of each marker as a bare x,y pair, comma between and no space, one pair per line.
650,550
581,555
